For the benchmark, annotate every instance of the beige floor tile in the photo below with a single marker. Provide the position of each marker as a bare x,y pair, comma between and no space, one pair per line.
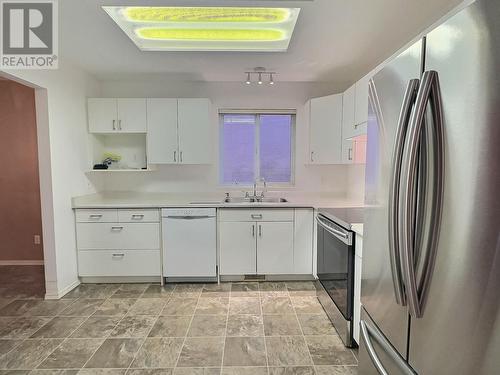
276,305
301,288
96,327
187,290
244,305
197,371
53,372
171,326
293,370
130,291
281,325
158,291
114,307
245,325
208,325
150,371
72,353
134,326
49,307
158,352
336,370
306,305
244,371
329,350
180,306
287,351
245,351
115,353
18,307
102,371
316,324
23,327
29,354
7,345
212,305
201,352
148,306
58,327
216,290
82,307
273,286
245,289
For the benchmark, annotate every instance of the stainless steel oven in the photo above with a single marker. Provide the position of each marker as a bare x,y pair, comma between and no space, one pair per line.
335,270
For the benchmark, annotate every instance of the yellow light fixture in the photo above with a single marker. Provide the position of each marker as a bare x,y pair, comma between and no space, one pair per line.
205,14
158,33
206,28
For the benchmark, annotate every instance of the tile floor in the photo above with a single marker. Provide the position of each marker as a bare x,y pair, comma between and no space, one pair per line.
268,328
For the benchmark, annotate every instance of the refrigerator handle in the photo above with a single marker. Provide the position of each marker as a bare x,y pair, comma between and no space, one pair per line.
429,92
367,333
394,187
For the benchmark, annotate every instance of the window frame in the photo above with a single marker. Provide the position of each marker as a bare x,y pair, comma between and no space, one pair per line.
258,114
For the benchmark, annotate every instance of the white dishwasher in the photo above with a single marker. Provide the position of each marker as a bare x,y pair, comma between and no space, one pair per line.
189,243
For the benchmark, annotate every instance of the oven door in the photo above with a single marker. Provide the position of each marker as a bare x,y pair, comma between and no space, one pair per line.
336,264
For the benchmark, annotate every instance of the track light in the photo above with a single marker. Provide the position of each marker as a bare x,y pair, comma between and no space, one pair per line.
260,72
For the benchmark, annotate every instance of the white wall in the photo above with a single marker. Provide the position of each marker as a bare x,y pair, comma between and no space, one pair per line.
62,130
227,95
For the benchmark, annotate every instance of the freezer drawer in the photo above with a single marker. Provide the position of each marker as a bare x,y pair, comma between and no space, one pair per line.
376,354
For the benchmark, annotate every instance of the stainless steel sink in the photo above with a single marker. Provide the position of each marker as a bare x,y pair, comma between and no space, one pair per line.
271,200
245,200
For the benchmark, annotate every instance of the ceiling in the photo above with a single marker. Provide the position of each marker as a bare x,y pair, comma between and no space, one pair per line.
334,41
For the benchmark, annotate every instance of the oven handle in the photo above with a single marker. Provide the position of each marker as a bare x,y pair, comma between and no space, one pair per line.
345,237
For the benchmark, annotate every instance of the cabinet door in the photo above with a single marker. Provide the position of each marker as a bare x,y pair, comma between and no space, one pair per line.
102,115
348,112
361,108
325,132
237,248
275,248
131,115
347,151
303,241
194,131
162,131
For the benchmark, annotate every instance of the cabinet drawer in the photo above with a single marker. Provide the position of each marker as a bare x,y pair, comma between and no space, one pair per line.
119,263
96,216
138,216
123,236
267,214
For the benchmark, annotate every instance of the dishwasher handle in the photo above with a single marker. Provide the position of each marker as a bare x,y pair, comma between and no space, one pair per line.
189,217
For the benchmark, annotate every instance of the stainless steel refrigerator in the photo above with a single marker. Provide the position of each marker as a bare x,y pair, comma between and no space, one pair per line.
431,258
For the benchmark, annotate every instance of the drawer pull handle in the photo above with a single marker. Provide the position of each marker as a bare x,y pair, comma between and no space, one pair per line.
116,228
256,216
137,216
95,216
118,255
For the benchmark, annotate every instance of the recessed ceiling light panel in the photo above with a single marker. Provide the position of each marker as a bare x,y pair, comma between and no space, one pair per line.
206,28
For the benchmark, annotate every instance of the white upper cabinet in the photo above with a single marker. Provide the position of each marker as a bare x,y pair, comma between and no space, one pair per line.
361,108
131,115
348,112
325,130
162,131
102,115
109,115
194,131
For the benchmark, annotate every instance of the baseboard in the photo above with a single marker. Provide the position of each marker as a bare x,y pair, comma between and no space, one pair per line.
119,279
21,262
57,294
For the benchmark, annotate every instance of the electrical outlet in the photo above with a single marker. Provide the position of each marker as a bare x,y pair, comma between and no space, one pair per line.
36,239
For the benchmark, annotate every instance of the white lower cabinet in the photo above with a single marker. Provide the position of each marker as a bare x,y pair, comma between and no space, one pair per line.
265,241
275,248
127,246
238,248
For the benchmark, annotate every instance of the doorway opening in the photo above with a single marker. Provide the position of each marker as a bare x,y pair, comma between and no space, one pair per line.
21,248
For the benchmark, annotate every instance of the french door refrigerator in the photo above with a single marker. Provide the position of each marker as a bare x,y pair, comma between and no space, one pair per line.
431,268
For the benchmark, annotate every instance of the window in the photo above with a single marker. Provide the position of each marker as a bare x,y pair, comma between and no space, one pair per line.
256,146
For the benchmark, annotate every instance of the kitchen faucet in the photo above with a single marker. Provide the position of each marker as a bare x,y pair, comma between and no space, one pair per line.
264,190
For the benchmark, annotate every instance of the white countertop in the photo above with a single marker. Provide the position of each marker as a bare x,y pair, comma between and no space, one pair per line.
157,200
